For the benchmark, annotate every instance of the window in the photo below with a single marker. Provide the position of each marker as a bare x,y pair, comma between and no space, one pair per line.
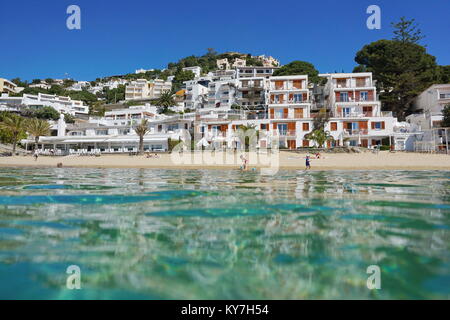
101,132
297,84
298,113
364,95
346,112
343,97
305,126
282,128
263,126
333,126
172,127
298,97
341,83
279,113
367,111
378,125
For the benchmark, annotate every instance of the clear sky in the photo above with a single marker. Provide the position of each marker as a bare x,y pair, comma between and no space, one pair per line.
117,37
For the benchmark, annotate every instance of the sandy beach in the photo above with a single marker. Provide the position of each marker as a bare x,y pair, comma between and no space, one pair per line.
219,160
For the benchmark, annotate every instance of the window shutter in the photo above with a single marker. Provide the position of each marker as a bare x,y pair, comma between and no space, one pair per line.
382,125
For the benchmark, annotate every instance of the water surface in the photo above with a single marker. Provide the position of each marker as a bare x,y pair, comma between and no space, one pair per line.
213,234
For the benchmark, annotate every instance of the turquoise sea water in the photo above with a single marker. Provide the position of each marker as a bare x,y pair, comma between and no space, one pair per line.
212,234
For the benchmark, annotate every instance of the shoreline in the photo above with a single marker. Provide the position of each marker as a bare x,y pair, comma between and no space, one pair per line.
224,161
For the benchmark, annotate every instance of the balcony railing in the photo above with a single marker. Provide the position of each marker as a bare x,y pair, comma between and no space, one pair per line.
357,85
290,101
355,132
357,99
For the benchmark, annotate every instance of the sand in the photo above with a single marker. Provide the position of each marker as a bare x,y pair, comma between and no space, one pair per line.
384,160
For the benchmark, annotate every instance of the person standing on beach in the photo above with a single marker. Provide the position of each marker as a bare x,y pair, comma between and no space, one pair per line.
35,155
244,162
308,163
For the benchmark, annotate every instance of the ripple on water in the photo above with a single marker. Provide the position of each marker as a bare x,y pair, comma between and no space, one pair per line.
212,234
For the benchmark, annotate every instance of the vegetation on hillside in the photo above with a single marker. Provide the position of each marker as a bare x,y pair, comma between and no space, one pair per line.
300,67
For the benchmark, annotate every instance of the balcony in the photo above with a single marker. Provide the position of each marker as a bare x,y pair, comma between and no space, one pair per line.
284,133
355,132
291,101
352,100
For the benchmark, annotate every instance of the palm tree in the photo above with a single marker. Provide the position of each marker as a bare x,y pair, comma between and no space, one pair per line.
320,136
165,101
141,130
38,128
14,125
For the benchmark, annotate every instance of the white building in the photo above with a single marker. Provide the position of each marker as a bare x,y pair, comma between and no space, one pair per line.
42,85
195,70
196,93
143,89
268,61
79,86
143,70
222,94
251,72
9,87
59,103
430,103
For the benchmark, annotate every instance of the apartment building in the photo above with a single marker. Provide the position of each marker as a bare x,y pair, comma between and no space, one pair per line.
252,92
252,72
196,93
223,64
42,85
8,87
429,105
289,108
268,61
195,70
356,116
114,133
142,89
221,94
59,103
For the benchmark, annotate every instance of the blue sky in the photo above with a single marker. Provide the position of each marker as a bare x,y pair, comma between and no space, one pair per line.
118,37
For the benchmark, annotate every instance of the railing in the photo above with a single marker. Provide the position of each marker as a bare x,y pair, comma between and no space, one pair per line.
291,101
357,85
353,132
357,99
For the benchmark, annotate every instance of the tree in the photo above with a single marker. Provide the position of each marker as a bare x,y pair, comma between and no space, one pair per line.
444,74
46,113
446,114
401,66
402,70
19,82
15,126
37,128
165,101
299,68
68,118
319,136
141,130
181,76
85,96
406,31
